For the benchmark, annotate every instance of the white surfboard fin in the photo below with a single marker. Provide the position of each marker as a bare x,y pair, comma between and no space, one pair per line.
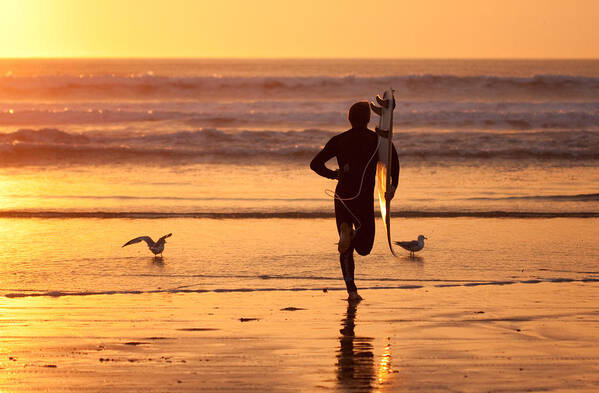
376,109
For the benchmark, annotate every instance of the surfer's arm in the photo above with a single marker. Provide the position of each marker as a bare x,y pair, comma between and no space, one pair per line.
318,163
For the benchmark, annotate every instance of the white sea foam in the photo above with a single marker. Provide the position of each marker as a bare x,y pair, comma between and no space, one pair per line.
149,87
53,145
306,114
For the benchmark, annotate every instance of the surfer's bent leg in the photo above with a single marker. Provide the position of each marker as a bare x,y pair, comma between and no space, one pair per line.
342,216
364,238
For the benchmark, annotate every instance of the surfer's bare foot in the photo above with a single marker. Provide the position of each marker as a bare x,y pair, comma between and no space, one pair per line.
354,297
345,237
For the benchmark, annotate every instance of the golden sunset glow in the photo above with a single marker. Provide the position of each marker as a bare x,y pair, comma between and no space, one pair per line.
228,129
269,28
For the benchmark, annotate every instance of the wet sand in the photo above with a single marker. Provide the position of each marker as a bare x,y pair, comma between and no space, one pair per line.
486,338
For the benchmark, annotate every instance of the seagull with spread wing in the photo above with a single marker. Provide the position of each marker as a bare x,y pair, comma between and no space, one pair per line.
155,247
413,246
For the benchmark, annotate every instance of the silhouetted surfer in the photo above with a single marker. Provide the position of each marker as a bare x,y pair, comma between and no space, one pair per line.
356,152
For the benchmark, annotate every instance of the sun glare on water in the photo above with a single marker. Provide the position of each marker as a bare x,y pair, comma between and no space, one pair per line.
384,369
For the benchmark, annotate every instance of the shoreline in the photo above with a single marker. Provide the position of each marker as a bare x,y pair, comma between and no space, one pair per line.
285,215
446,284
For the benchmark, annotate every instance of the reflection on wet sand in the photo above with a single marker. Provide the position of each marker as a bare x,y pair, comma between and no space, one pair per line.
356,369
355,359
384,368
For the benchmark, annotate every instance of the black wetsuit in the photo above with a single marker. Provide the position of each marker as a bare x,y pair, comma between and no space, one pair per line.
353,149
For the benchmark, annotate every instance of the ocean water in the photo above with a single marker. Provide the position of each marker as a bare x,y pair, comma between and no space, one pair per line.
235,136
210,145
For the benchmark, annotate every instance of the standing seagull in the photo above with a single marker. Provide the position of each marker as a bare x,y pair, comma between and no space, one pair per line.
413,246
155,247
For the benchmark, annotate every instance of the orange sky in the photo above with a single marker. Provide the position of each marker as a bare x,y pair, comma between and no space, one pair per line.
306,28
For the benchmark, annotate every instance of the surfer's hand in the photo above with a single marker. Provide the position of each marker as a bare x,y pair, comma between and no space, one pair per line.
390,193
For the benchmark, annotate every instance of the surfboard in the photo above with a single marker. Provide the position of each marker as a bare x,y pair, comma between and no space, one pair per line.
384,109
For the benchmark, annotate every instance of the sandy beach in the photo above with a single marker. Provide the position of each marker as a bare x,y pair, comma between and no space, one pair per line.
519,338
450,320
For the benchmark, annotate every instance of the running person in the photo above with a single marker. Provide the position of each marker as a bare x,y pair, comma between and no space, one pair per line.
356,152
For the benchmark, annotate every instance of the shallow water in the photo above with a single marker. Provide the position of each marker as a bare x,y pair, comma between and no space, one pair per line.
57,257
263,188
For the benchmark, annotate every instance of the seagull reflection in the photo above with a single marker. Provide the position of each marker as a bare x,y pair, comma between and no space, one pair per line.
355,359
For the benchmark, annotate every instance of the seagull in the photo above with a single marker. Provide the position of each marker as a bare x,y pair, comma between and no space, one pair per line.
413,246
155,247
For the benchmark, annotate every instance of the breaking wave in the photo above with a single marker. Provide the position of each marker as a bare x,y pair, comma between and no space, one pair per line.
300,114
151,87
54,146
553,198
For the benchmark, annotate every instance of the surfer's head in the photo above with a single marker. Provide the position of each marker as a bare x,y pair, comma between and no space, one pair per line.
359,114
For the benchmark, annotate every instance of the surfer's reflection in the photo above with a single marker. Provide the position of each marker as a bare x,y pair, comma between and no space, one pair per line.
355,359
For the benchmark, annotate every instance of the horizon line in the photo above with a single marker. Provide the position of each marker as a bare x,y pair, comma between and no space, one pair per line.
281,58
